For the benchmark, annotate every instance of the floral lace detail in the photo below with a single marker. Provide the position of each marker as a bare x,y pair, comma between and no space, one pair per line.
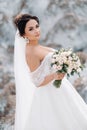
42,71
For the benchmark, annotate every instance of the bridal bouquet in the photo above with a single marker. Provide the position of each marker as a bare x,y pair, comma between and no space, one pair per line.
65,61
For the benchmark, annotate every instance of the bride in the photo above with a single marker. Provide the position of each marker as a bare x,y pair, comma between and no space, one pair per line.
39,104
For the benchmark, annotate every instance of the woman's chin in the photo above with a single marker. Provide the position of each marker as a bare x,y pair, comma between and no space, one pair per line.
37,37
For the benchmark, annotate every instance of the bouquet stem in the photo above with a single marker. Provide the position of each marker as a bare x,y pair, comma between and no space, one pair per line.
57,83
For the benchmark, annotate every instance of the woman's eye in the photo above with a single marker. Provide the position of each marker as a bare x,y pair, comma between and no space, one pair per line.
30,29
37,26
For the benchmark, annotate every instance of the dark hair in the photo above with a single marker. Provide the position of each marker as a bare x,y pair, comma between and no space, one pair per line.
21,21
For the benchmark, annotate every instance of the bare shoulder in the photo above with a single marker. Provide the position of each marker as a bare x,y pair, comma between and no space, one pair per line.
38,52
49,49
35,54
42,51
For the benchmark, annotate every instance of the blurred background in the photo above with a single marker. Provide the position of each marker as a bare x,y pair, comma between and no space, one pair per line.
63,24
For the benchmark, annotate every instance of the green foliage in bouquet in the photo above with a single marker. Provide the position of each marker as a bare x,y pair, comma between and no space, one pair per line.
65,61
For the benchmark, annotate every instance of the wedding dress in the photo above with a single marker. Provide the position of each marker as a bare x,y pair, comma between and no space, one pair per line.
46,107
55,108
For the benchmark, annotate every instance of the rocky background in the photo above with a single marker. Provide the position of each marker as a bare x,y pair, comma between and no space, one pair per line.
63,24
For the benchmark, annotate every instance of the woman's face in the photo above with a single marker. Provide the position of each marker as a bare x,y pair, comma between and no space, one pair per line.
32,30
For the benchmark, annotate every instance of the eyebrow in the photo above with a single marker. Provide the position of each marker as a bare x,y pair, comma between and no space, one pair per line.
32,27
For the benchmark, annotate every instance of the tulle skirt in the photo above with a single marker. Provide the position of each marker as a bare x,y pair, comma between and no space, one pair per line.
57,109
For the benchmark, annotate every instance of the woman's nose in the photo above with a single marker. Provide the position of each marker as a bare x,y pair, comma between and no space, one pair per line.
36,30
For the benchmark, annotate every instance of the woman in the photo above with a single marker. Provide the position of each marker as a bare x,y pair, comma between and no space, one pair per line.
39,105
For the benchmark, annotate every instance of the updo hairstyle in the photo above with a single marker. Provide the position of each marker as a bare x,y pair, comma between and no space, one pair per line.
21,20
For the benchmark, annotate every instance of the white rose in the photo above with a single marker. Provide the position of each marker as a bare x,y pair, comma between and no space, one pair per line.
79,70
53,60
54,66
70,58
57,58
64,59
69,70
78,63
59,67
60,61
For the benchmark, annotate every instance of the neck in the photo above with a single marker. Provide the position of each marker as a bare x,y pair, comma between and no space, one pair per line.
33,43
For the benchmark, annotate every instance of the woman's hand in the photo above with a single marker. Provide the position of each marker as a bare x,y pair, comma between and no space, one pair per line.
59,76
53,76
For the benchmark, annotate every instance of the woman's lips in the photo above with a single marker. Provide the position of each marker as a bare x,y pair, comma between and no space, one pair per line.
37,35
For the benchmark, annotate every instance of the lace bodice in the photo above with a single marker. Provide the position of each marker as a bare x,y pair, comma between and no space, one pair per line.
43,70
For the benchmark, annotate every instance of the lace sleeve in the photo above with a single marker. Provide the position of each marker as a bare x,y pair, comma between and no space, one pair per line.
44,69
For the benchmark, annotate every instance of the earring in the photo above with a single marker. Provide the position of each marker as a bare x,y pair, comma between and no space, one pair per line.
27,40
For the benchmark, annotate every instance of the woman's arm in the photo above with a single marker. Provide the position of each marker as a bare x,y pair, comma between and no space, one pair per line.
53,76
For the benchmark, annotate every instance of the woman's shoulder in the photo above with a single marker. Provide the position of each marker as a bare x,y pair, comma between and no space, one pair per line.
42,51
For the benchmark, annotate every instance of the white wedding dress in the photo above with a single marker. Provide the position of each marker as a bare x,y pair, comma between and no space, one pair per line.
47,107
55,108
